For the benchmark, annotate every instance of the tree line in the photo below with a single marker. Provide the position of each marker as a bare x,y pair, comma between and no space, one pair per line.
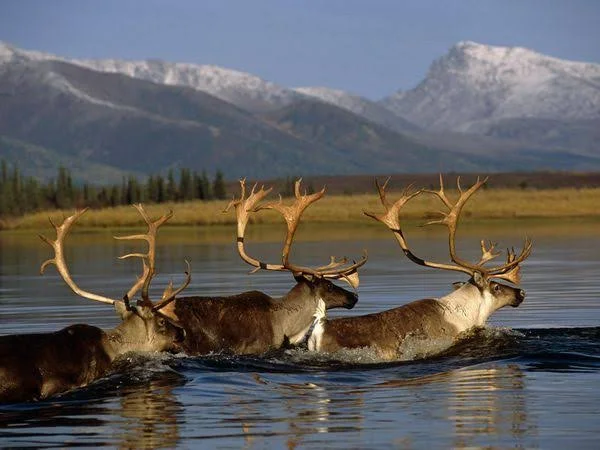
21,194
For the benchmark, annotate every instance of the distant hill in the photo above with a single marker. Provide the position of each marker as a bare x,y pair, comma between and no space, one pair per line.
139,126
108,118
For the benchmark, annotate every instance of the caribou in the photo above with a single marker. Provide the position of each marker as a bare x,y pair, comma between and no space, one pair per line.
425,327
253,322
37,366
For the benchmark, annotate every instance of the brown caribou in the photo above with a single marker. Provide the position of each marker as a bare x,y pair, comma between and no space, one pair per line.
254,322
37,366
425,327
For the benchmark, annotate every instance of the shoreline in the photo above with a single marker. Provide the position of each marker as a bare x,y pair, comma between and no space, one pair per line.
489,205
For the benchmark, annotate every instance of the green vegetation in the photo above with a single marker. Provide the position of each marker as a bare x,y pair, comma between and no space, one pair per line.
21,195
495,205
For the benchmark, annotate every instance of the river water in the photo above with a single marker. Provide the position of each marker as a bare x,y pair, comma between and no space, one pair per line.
529,380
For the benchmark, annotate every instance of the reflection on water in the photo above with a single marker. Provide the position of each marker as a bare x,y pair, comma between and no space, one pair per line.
535,387
151,415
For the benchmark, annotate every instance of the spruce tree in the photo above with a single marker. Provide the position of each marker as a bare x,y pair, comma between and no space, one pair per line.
219,191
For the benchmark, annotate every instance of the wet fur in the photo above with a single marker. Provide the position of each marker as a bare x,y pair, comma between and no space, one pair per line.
253,322
37,366
432,324
385,332
29,368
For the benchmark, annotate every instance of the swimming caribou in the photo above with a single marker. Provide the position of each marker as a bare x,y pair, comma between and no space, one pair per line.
254,322
37,366
424,327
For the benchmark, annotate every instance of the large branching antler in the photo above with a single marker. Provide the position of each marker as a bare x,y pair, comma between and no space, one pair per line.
244,206
59,258
508,271
391,218
148,261
336,268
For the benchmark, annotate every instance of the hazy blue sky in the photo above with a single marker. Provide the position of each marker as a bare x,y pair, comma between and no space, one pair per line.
369,47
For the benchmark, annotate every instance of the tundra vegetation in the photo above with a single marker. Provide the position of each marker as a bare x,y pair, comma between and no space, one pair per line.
491,204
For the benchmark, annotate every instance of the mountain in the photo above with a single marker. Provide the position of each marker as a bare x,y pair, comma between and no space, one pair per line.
360,106
109,118
139,126
371,147
244,90
377,149
474,87
43,163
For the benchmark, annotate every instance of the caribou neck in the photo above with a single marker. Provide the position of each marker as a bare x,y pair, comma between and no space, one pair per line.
126,338
468,306
293,313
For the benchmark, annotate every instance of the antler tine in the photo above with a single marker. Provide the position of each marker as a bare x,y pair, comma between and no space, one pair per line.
450,219
348,273
381,191
147,258
243,207
59,258
169,294
510,270
441,193
391,218
333,263
332,270
291,215
487,253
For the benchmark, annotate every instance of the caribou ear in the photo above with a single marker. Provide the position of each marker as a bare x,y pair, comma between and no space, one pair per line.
479,280
458,284
122,310
144,311
300,277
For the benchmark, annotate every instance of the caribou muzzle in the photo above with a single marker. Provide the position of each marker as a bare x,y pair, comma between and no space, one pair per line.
351,301
519,297
179,335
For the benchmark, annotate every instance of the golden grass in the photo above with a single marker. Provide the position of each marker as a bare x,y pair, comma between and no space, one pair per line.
505,204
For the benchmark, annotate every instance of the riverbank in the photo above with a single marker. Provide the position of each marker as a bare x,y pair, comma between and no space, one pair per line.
488,204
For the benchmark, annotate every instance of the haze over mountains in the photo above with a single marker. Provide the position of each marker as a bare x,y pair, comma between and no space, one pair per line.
479,108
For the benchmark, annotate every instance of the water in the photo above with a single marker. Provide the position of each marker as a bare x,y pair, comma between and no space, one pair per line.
529,380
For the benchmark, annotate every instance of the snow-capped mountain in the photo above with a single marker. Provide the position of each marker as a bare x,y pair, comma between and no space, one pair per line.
474,85
361,106
244,90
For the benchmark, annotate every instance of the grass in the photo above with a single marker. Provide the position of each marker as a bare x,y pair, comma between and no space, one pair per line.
489,204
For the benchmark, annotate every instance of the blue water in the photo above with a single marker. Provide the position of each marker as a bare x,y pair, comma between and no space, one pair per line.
529,380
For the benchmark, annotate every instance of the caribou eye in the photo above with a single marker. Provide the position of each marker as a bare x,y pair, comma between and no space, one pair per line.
497,287
161,322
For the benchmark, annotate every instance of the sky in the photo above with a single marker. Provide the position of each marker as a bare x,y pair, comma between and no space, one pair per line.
369,47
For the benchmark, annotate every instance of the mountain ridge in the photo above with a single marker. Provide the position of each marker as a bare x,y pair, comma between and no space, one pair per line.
108,111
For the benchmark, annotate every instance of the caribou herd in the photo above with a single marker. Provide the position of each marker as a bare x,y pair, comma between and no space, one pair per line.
37,366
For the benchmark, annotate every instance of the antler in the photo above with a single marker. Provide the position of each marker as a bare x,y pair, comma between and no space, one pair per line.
59,258
169,294
391,218
335,269
243,207
147,261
